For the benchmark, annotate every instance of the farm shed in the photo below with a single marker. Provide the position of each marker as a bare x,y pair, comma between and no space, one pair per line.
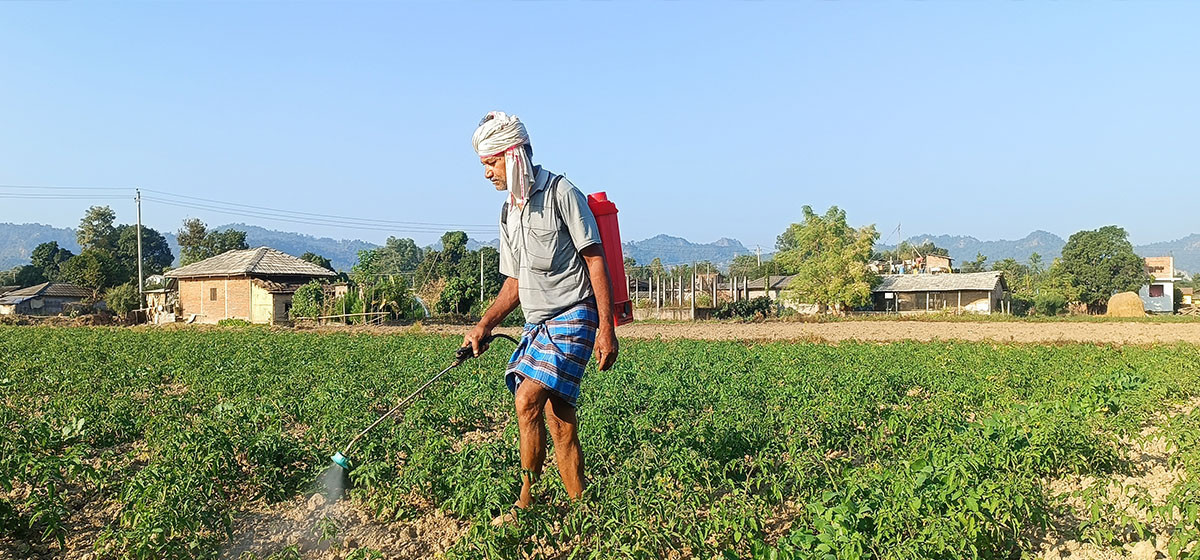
49,298
974,292
1159,295
1187,296
254,285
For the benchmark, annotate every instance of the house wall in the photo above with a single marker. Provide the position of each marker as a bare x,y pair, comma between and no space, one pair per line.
233,299
1164,304
262,307
973,301
44,306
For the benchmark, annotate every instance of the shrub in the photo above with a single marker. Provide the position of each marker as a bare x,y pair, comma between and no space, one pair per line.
308,301
1049,303
123,299
746,308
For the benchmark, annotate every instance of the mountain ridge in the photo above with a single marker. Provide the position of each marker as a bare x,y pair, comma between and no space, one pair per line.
17,241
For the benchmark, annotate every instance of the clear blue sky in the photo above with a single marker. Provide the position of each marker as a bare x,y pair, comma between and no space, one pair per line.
701,120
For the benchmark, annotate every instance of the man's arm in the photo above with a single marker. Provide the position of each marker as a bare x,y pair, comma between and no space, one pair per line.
506,301
606,336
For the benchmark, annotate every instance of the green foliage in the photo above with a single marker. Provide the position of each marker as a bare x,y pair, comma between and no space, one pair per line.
748,266
317,260
197,243
746,308
92,268
232,322
156,253
977,265
123,299
97,230
308,301
725,449
47,258
27,275
829,260
1101,263
457,296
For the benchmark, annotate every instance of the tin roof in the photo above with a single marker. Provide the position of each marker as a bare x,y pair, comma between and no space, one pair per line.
6,289
45,289
970,281
278,287
263,261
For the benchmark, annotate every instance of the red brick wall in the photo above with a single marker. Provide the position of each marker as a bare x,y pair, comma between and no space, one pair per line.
232,298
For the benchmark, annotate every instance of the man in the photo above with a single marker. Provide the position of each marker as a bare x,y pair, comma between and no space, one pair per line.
550,253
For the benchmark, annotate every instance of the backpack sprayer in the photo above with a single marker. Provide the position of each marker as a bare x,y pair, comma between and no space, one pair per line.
461,355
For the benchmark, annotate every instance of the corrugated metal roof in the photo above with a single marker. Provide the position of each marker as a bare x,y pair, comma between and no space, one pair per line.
263,261
45,289
971,281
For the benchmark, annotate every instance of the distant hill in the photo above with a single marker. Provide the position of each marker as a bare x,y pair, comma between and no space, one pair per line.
1185,250
677,250
18,240
965,248
342,253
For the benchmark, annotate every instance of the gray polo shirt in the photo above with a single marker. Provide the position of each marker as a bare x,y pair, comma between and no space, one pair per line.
540,245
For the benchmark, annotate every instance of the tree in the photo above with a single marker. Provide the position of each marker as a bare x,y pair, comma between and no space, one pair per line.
1101,263
977,265
317,260
123,299
47,258
92,268
96,230
197,243
226,240
748,266
156,253
308,301
829,260
192,238
28,275
457,296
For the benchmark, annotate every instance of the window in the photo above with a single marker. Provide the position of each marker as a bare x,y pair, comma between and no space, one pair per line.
212,294
1156,290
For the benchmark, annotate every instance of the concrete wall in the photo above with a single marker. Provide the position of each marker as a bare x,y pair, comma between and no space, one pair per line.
1164,304
662,314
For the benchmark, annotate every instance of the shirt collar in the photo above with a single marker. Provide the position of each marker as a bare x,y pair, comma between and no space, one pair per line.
540,178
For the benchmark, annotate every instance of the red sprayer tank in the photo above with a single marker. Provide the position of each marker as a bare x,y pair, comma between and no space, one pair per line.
610,235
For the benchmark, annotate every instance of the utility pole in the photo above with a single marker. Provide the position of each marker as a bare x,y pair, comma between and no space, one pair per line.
141,282
481,276
758,252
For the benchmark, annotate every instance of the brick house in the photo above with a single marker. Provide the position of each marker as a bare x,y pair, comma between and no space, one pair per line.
255,285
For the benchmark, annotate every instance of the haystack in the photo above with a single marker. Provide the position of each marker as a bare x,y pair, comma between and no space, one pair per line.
1126,304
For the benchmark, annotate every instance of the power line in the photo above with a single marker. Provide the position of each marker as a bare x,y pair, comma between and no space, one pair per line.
65,188
311,221
312,214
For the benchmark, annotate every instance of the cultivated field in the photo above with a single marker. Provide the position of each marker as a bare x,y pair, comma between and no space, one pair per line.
1150,331
215,443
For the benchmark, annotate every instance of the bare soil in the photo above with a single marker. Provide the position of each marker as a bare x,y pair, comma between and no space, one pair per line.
1150,475
348,526
889,331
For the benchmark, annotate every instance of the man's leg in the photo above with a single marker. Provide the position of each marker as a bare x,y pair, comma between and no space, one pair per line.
530,400
568,454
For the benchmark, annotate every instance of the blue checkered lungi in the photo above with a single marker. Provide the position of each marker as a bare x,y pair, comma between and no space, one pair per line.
555,352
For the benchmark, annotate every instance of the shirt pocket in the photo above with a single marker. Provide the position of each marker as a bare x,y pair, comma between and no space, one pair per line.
541,246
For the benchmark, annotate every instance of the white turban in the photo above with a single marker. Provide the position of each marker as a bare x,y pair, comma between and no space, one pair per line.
500,133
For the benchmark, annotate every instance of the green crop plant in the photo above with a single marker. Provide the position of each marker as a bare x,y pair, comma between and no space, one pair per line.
702,449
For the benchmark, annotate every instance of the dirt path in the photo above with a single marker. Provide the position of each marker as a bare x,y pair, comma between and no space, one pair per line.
886,331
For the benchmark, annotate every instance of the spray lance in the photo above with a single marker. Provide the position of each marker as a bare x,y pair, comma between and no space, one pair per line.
342,458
